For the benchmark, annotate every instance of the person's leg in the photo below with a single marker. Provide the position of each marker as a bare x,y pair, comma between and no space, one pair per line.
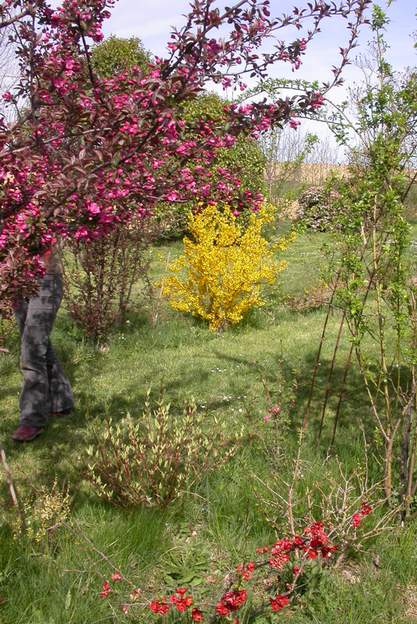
60,392
41,312
20,313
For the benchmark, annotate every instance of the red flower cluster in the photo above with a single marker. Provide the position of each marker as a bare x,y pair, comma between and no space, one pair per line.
364,511
315,543
319,543
197,615
312,544
231,601
275,410
246,571
159,607
105,590
182,602
279,560
116,576
279,602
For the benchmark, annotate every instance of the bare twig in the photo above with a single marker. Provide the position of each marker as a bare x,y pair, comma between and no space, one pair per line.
12,488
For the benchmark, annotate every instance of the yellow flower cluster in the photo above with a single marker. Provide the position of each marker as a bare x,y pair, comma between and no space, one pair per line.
219,276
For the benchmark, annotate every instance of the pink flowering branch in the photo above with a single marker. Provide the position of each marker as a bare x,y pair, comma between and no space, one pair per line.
5,22
89,153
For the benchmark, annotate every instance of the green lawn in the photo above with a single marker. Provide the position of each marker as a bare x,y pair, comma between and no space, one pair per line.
233,375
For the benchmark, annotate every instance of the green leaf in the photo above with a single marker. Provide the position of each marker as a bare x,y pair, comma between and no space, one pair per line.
68,600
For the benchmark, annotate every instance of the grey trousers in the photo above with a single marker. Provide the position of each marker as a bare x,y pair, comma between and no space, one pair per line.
45,388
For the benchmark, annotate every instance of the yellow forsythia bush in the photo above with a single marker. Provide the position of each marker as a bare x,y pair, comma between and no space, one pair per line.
219,276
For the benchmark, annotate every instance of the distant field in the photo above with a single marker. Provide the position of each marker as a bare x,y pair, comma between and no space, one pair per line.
312,173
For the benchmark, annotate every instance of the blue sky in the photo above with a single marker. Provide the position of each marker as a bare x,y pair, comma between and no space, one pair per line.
150,20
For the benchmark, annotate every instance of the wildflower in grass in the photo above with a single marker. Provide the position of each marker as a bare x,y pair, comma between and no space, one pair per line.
159,607
125,608
105,590
134,595
279,602
116,576
197,615
181,600
275,410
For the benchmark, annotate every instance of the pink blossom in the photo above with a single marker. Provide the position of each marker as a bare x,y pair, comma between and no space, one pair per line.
294,123
171,196
317,100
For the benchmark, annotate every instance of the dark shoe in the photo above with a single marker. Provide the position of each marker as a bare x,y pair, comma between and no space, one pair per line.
26,433
65,412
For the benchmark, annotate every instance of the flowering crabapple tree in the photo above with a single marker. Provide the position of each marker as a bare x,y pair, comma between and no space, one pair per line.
85,152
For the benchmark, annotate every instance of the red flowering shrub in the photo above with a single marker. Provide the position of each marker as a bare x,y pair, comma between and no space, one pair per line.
260,586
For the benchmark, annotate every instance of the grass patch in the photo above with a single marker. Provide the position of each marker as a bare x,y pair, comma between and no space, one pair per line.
269,355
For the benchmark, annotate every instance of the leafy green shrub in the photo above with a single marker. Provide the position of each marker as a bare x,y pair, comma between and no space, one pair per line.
7,329
245,157
117,54
319,208
172,219
154,459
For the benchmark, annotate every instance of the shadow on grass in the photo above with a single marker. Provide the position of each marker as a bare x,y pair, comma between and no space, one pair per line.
354,416
60,450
